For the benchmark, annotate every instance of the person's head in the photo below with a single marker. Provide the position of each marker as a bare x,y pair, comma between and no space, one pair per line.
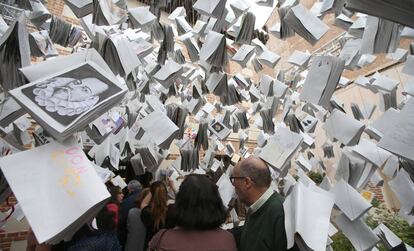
134,186
198,204
141,196
158,204
250,178
116,195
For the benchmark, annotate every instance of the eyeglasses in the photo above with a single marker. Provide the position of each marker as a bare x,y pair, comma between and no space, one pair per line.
232,178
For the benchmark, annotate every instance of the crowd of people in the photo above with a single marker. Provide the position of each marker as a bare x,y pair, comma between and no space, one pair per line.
162,217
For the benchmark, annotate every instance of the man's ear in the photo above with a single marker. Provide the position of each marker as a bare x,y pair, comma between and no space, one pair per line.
249,182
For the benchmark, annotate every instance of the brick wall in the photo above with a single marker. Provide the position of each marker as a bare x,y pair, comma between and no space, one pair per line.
6,238
377,190
55,7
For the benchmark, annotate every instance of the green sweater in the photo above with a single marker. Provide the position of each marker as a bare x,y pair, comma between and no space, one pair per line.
264,230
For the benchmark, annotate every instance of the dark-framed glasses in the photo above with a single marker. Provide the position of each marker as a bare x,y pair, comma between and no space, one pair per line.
232,178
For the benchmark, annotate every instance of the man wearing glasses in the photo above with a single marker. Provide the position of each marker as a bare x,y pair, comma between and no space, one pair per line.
264,228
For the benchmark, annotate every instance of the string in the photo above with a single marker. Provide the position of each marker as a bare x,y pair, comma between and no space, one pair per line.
3,103
88,49
94,33
399,77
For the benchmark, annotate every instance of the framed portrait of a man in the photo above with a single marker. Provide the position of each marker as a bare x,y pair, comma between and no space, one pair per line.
219,129
62,100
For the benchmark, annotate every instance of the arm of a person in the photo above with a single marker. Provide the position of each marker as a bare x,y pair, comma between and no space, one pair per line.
171,185
146,217
146,201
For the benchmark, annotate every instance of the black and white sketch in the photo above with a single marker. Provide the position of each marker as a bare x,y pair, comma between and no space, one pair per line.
66,101
66,96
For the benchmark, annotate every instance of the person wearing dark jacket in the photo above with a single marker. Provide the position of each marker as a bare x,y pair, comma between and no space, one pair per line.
136,231
264,228
134,189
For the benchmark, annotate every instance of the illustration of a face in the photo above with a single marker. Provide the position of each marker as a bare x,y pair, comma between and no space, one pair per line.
80,92
75,91
69,96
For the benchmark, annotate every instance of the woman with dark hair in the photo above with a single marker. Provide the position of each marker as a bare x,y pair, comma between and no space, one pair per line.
199,213
156,214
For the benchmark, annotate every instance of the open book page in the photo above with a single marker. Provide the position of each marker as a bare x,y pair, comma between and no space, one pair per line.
62,171
381,125
360,235
226,189
409,65
398,139
302,214
299,58
159,127
370,151
387,235
305,24
280,147
80,8
15,53
349,201
403,187
344,128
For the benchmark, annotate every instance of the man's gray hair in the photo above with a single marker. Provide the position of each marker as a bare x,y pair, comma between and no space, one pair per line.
257,170
134,185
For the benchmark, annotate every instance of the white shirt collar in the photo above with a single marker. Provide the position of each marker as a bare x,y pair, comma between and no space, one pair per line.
259,203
